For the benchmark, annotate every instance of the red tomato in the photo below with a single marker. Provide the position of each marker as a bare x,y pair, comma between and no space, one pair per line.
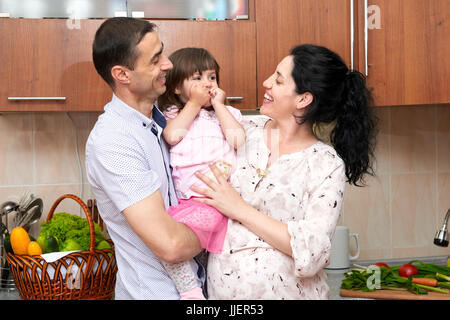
381,264
407,270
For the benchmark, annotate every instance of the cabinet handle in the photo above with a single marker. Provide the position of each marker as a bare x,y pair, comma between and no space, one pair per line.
36,98
235,98
366,36
352,35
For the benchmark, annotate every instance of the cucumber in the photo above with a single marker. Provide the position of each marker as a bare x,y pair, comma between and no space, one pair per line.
51,244
7,243
41,241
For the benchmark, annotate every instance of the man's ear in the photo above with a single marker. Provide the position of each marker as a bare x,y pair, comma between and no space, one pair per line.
121,74
303,100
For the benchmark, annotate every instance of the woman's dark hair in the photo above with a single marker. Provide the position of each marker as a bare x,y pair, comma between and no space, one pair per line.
186,62
340,97
115,44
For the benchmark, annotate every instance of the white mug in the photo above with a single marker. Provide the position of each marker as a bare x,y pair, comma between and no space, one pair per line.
340,253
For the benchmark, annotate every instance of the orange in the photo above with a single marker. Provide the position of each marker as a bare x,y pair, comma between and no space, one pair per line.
19,240
34,248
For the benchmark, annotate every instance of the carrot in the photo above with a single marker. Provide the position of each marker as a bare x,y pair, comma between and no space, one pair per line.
425,281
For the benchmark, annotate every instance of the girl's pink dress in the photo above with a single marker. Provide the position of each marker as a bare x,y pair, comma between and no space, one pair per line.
209,225
204,143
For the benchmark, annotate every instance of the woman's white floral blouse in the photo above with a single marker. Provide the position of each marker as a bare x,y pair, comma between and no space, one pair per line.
305,190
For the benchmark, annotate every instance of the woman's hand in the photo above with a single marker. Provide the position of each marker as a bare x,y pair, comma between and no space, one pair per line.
224,198
221,195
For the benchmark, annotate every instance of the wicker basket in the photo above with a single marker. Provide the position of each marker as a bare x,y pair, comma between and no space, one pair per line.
84,275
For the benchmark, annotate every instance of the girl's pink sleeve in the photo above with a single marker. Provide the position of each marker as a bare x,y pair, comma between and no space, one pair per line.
236,113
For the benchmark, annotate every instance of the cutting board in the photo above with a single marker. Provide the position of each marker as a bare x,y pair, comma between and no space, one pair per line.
393,295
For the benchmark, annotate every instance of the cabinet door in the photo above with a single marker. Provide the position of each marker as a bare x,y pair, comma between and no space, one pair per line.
408,51
50,62
283,24
50,58
232,43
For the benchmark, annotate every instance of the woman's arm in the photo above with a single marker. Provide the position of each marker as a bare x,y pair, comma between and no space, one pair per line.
232,129
224,198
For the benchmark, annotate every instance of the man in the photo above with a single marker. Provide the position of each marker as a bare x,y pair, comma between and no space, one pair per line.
127,161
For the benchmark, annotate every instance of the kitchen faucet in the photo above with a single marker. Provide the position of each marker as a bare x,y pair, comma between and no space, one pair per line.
441,237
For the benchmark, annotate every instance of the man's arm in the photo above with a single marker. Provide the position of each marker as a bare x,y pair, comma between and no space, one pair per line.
168,239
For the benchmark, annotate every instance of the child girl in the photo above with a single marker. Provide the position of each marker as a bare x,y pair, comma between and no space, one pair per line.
201,130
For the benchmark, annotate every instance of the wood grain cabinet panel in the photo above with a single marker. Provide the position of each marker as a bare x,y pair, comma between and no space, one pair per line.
283,24
49,58
232,43
408,51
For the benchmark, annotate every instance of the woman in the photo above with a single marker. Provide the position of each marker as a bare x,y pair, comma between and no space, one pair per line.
289,185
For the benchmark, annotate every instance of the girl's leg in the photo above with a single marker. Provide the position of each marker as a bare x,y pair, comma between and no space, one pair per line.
184,275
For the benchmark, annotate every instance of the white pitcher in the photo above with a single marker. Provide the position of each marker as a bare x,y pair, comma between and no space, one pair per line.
340,257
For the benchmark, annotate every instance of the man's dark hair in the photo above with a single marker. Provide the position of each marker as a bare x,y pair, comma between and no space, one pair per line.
115,44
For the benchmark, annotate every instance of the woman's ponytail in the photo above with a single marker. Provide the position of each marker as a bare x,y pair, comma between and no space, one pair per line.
354,134
340,97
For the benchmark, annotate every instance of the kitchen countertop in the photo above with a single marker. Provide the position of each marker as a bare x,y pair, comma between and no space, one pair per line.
335,277
10,294
334,280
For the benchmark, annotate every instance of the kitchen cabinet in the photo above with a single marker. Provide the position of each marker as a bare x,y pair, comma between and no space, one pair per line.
408,50
232,43
48,62
407,45
405,55
283,24
47,66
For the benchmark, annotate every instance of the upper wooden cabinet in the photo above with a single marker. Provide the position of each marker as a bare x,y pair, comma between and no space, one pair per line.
47,66
408,50
407,42
47,63
232,43
283,24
